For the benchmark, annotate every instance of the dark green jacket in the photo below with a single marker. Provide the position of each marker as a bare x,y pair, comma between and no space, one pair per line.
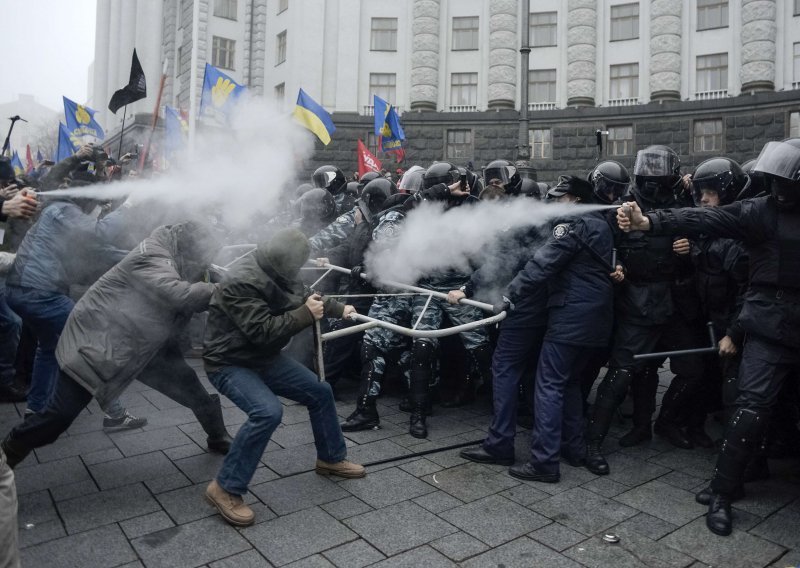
253,315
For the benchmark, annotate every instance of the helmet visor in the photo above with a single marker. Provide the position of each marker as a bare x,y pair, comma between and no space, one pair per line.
503,173
779,159
323,179
608,190
656,163
411,181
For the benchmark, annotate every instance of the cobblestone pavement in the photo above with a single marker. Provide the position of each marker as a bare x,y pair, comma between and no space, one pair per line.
134,498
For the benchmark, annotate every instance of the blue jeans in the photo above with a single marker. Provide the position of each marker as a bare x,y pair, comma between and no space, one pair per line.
10,326
256,392
46,314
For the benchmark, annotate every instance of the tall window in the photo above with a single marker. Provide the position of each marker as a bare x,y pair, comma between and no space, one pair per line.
459,144
222,52
708,135
372,142
796,76
620,140
712,73
540,142
712,14
543,29
383,36
624,81
280,48
465,33
796,7
794,125
542,85
225,9
464,90
384,85
280,92
283,5
624,21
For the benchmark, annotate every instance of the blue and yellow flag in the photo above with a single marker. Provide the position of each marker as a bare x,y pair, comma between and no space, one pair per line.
219,95
16,163
65,147
81,122
176,131
387,125
311,115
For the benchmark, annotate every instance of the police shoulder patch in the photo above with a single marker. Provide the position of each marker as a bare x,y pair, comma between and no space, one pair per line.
343,219
560,231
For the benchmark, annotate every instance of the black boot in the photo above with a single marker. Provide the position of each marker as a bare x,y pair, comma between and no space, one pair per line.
676,400
210,418
480,373
465,394
704,495
421,370
719,518
609,396
643,392
365,416
14,452
12,393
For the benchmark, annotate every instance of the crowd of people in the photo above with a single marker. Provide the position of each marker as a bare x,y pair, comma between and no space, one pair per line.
98,293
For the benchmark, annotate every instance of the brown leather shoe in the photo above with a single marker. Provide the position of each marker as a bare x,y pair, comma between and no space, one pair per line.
231,507
343,468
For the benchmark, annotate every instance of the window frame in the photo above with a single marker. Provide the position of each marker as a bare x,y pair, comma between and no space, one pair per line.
546,146
280,87
705,136
698,69
281,47
612,21
473,88
794,130
372,87
531,31
617,80
470,143
283,5
374,33
216,49
796,11
473,31
707,7
554,83
796,62
611,143
227,4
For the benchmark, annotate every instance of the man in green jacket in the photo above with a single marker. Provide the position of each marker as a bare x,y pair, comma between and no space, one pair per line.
251,318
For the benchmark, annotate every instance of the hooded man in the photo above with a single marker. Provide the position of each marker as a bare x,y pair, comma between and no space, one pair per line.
251,318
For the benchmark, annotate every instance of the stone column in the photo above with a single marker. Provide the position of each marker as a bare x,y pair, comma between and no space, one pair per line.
581,52
665,50
502,53
758,45
425,55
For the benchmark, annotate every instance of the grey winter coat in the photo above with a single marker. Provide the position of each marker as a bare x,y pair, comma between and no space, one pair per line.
122,321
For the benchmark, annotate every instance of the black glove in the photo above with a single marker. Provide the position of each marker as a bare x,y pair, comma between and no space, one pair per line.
503,305
355,273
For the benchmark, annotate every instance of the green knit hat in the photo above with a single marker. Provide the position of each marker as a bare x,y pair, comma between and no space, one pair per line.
285,252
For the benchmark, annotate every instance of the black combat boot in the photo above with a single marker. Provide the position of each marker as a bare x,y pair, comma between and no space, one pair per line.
421,371
676,400
719,518
609,395
365,416
210,418
643,391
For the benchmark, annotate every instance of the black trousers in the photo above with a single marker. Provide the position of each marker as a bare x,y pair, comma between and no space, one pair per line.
167,373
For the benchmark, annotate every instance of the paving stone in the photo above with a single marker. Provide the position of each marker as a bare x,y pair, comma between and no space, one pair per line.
422,556
72,490
571,477
763,498
37,519
292,460
421,467
248,559
438,501
30,534
605,486
521,552
398,527
293,435
632,471
51,474
683,480
459,546
783,527
790,560
185,451
191,544
298,492
494,519
470,481
140,526
647,525
189,503
739,550
448,458
376,451
632,551
143,442
386,487
160,401
200,468
175,417
347,507
102,456
583,511
694,462
356,554
297,535
557,536
663,501
387,430
262,474
105,507
68,446
132,470
316,561
98,548
167,483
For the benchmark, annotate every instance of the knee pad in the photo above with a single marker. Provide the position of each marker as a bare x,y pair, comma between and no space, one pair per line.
423,355
614,386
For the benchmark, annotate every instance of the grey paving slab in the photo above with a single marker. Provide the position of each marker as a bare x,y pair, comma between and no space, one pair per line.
386,430
632,551
571,477
74,446
192,544
98,548
494,519
315,561
185,451
374,451
438,501
692,462
51,474
101,456
449,458
105,507
459,546
522,552
297,492
189,504
663,501
420,467
292,460
783,528
789,560
143,442
293,435
739,550
167,483
605,486
470,481
386,487
297,535
399,527
422,556
30,533
132,470
199,468
347,507
583,511
72,490
247,559
765,497
647,525
37,519
140,526
632,471
557,536
684,480
355,554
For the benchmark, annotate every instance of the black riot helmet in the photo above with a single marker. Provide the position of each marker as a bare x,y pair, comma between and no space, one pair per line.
330,178
506,172
366,178
610,180
758,181
474,183
530,188
657,173
722,175
374,196
317,204
780,162
411,181
353,189
440,172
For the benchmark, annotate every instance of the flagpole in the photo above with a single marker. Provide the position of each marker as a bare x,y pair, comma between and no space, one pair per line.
143,157
121,132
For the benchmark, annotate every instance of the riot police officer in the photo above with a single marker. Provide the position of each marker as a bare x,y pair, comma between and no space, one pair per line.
332,179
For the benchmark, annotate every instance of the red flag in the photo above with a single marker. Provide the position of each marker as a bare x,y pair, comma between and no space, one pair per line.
29,165
366,161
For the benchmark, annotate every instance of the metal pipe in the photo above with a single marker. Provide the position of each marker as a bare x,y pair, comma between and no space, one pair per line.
698,351
424,309
523,148
413,332
318,348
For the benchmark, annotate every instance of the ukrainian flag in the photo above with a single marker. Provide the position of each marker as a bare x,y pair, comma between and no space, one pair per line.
311,115
16,163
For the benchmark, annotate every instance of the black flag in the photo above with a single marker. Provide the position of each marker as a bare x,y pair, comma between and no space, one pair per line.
135,89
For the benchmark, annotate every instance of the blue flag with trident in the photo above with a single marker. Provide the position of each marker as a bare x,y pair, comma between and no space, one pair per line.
81,122
219,95
387,125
